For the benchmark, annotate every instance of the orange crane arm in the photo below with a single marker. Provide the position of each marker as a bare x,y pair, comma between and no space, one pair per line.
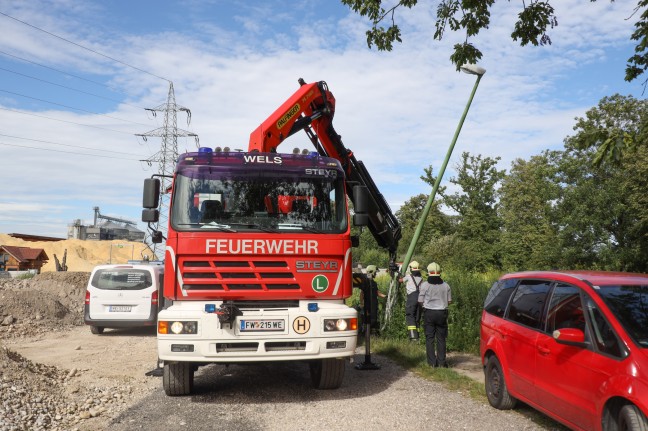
311,108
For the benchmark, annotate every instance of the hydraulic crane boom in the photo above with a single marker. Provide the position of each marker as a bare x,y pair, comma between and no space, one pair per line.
311,108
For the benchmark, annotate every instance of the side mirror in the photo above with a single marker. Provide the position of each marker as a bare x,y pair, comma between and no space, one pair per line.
360,199
569,336
360,219
150,215
156,237
151,196
355,241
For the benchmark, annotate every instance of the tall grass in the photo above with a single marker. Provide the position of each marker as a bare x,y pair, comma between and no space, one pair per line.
468,293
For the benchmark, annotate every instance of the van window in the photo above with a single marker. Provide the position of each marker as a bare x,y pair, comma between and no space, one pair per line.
528,302
498,297
565,309
605,339
122,279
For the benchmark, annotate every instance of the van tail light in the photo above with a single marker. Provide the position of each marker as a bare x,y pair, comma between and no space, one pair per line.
154,298
87,298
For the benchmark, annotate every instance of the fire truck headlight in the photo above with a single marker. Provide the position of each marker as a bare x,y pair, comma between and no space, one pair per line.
177,327
341,325
331,325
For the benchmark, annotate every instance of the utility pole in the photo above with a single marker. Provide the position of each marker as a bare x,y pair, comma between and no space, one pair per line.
392,294
168,155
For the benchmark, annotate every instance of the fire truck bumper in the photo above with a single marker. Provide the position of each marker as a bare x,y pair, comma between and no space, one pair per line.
303,331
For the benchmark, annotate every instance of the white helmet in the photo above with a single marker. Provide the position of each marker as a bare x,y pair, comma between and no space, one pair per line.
371,270
434,268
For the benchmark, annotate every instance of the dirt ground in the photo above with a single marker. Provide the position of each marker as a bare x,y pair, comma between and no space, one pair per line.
83,255
54,373
57,375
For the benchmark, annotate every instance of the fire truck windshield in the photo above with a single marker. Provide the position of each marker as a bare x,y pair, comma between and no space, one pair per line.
258,201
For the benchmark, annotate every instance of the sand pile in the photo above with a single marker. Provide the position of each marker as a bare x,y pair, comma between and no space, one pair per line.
83,255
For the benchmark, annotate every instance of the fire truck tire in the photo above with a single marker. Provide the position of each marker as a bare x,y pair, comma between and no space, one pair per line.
177,378
327,373
97,330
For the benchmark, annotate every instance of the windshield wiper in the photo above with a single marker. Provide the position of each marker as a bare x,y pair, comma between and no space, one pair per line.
302,226
218,226
255,226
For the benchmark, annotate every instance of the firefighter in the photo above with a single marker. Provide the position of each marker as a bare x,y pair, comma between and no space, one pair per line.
434,298
413,281
372,296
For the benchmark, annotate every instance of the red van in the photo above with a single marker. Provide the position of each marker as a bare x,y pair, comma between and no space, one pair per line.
571,344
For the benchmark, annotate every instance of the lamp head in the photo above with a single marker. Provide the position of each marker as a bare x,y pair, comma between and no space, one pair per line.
473,69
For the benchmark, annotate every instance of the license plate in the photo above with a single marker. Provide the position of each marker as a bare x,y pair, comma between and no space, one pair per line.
120,308
262,325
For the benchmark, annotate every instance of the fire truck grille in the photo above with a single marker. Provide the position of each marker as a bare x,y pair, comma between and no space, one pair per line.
285,346
265,305
237,347
238,275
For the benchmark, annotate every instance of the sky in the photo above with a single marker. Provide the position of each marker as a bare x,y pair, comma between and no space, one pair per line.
76,78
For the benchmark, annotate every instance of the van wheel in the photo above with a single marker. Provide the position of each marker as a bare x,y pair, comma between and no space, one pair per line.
496,390
631,419
177,378
327,373
97,330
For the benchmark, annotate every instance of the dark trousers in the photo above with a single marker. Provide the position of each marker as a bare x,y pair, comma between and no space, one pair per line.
412,310
436,332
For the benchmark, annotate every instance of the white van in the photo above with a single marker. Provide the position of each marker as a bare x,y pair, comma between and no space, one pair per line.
120,296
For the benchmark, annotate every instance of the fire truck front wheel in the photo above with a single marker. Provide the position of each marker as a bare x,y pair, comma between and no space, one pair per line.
177,378
327,373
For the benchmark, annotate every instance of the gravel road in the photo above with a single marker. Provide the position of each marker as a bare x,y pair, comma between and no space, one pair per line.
56,375
278,397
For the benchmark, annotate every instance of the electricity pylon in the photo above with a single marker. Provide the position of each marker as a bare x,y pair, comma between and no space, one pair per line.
167,156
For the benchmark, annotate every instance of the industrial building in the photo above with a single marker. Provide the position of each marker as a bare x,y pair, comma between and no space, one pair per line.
110,228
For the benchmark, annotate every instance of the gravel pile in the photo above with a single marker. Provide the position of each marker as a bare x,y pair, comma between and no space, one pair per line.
34,396
37,305
40,397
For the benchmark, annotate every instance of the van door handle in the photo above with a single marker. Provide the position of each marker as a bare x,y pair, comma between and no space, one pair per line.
544,350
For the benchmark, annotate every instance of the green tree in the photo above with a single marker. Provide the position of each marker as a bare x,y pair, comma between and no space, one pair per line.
529,231
589,211
604,206
473,16
475,240
436,225
368,251
619,125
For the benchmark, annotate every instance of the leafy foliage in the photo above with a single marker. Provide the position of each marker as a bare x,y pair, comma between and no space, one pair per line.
527,197
477,232
473,16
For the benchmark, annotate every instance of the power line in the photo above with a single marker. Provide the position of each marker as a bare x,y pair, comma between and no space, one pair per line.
70,107
65,121
68,145
83,47
67,152
68,88
116,90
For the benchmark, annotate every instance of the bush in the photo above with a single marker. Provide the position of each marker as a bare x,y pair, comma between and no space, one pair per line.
469,291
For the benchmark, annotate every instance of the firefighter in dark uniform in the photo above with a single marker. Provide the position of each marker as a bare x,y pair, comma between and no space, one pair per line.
371,298
412,282
435,297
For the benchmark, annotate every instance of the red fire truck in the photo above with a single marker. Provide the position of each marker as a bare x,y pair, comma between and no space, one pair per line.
258,250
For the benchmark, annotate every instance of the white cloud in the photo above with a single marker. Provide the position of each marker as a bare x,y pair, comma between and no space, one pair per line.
397,111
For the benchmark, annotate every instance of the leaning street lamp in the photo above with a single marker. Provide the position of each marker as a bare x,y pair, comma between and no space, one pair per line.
471,69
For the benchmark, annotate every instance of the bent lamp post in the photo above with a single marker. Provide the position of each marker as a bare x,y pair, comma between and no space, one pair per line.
471,69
